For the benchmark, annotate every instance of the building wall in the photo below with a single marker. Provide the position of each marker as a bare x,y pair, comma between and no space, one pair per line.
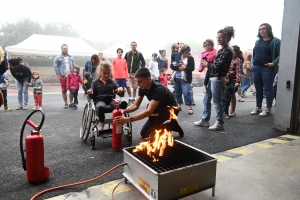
287,64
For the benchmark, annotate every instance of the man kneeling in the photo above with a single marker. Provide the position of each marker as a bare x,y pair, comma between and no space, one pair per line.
158,110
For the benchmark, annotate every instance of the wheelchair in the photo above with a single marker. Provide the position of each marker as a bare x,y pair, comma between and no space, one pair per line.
90,120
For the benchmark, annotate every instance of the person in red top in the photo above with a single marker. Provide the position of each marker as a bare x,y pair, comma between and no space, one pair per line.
235,74
73,80
120,71
163,77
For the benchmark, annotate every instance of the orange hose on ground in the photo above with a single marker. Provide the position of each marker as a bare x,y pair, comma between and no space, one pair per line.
78,183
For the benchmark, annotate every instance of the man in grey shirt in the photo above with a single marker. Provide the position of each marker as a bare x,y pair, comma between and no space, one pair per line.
63,64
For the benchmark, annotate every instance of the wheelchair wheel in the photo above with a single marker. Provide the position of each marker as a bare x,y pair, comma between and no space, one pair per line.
86,122
127,130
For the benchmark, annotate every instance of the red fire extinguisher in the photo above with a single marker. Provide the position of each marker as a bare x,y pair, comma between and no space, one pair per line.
34,148
116,129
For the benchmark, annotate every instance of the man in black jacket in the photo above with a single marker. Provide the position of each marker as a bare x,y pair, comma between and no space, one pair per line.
134,60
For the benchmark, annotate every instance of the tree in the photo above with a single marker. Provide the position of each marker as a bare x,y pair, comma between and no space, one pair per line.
11,34
14,33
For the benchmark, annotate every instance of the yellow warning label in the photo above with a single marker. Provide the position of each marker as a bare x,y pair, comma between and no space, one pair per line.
189,189
144,185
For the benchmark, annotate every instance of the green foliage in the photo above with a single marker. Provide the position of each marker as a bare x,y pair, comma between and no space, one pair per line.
14,33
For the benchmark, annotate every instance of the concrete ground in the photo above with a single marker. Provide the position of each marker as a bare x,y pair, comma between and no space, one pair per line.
71,160
267,170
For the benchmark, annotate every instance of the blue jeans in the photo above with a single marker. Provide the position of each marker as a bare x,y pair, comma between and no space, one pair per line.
183,88
207,104
263,80
246,83
217,92
22,91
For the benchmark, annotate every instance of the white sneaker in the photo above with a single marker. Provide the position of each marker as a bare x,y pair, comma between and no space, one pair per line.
256,111
35,108
266,112
232,114
19,108
202,123
216,127
100,126
227,116
25,107
40,108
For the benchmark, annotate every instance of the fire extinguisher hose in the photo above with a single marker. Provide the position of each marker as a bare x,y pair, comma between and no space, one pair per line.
77,183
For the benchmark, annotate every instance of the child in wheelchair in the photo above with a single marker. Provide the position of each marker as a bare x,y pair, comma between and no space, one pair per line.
103,91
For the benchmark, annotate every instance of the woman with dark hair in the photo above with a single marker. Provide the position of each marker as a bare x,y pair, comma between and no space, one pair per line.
265,66
235,74
22,73
91,65
219,69
181,86
162,60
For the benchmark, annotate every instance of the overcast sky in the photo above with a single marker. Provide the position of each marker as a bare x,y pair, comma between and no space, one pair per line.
153,23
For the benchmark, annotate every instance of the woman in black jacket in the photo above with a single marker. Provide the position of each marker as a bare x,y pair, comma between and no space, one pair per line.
184,87
22,73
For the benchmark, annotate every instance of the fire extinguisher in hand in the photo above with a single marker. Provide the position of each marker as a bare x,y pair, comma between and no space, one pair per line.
34,149
116,128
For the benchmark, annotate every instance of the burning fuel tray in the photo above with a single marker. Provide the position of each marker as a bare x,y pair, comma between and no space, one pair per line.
182,170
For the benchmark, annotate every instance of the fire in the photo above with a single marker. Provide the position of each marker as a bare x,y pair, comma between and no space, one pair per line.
163,138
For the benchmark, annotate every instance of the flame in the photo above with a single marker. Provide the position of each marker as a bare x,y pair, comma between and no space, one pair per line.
163,138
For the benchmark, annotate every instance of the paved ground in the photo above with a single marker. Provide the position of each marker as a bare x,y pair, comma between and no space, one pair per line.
266,170
70,160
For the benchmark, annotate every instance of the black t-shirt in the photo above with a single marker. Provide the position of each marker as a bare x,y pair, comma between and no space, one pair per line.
159,92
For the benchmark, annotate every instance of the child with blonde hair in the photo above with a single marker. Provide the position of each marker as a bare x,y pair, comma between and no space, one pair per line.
37,84
73,80
103,91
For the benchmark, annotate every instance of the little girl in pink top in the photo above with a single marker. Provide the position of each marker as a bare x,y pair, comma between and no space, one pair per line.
209,54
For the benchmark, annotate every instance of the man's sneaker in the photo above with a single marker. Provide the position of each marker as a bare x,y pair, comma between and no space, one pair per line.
100,126
216,127
266,112
130,102
256,111
19,108
7,108
233,114
66,105
71,105
25,107
227,116
202,123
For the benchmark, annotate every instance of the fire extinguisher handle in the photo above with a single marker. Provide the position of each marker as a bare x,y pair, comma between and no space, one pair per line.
37,128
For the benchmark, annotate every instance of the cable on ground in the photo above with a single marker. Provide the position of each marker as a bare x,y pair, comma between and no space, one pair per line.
77,183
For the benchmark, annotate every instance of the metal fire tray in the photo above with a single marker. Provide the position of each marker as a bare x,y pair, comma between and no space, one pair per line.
182,171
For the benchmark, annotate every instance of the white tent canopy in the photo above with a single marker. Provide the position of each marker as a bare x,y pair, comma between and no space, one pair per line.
111,52
47,45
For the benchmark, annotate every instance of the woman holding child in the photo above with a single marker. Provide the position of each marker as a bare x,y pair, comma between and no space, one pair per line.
219,69
181,86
